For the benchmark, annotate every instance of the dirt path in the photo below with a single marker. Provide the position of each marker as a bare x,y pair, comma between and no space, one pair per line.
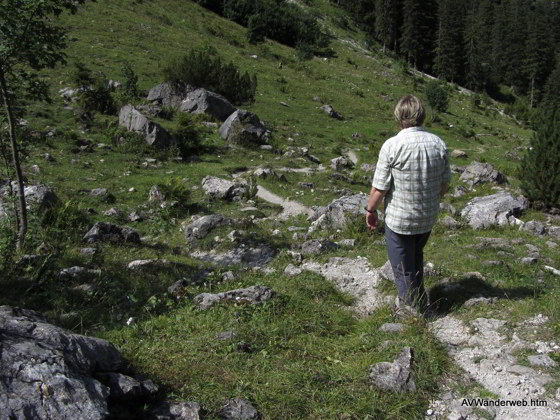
290,208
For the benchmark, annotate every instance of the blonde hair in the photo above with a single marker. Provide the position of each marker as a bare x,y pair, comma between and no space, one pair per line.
409,112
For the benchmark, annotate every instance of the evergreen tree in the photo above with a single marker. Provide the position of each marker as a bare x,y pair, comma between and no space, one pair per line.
418,32
540,169
475,72
551,99
448,62
539,54
386,22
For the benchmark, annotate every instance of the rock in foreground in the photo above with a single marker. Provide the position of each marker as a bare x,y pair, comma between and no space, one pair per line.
495,209
396,376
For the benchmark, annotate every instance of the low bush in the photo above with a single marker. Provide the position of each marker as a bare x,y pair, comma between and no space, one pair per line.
205,68
93,94
187,136
437,96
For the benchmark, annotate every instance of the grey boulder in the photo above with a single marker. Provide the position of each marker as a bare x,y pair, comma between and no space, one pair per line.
218,188
108,232
340,211
243,127
396,376
133,120
202,101
238,409
202,226
341,163
534,226
169,94
495,209
478,173
328,109
317,246
186,410
251,295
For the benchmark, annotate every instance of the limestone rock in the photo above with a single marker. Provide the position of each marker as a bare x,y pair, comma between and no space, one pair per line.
331,112
341,162
392,327
534,226
248,256
478,173
169,94
449,222
133,120
107,232
495,209
186,410
243,127
239,409
396,376
291,270
543,360
250,295
202,101
223,189
316,246
200,228
340,211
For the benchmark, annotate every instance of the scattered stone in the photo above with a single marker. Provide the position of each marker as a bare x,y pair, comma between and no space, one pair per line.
226,335
177,411
113,212
291,270
528,260
459,154
243,127
355,277
218,188
103,194
154,134
348,243
392,327
251,295
543,360
78,273
495,209
202,226
250,257
228,276
121,387
88,251
238,409
317,246
107,232
459,191
449,222
535,227
396,376
554,231
341,162
234,235
135,216
448,208
551,245
552,270
156,194
202,101
151,264
332,113
479,301
478,173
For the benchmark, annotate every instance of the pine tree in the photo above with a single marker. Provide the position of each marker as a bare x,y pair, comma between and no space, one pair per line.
540,169
539,54
475,72
386,22
418,32
551,99
448,63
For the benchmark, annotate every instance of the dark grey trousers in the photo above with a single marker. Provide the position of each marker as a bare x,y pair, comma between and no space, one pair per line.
406,254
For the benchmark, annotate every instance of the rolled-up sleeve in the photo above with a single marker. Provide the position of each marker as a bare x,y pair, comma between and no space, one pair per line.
382,177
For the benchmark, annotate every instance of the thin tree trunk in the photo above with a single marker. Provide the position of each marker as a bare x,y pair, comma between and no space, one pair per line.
22,219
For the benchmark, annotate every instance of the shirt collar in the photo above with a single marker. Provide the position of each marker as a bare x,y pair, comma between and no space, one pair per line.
411,130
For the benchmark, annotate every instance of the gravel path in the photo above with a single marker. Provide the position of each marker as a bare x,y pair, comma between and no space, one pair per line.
290,208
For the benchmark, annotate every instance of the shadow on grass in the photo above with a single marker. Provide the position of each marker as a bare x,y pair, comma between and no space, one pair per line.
454,294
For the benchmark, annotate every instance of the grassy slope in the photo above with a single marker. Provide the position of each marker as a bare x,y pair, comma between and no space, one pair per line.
309,358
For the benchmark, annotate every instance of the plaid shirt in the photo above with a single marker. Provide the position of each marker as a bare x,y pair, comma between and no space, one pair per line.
412,167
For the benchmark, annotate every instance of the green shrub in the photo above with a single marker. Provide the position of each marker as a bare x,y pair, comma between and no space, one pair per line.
94,94
205,68
187,136
540,168
437,96
129,89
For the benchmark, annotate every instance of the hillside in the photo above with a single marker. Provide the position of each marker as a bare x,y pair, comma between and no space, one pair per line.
306,352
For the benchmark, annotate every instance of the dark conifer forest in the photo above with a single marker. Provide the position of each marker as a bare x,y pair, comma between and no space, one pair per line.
479,44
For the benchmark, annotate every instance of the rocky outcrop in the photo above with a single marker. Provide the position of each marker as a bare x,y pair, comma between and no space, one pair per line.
341,162
317,246
244,128
353,276
478,173
328,109
133,120
202,226
47,372
107,232
396,376
242,255
37,197
251,295
495,209
202,101
223,189
169,94
338,212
